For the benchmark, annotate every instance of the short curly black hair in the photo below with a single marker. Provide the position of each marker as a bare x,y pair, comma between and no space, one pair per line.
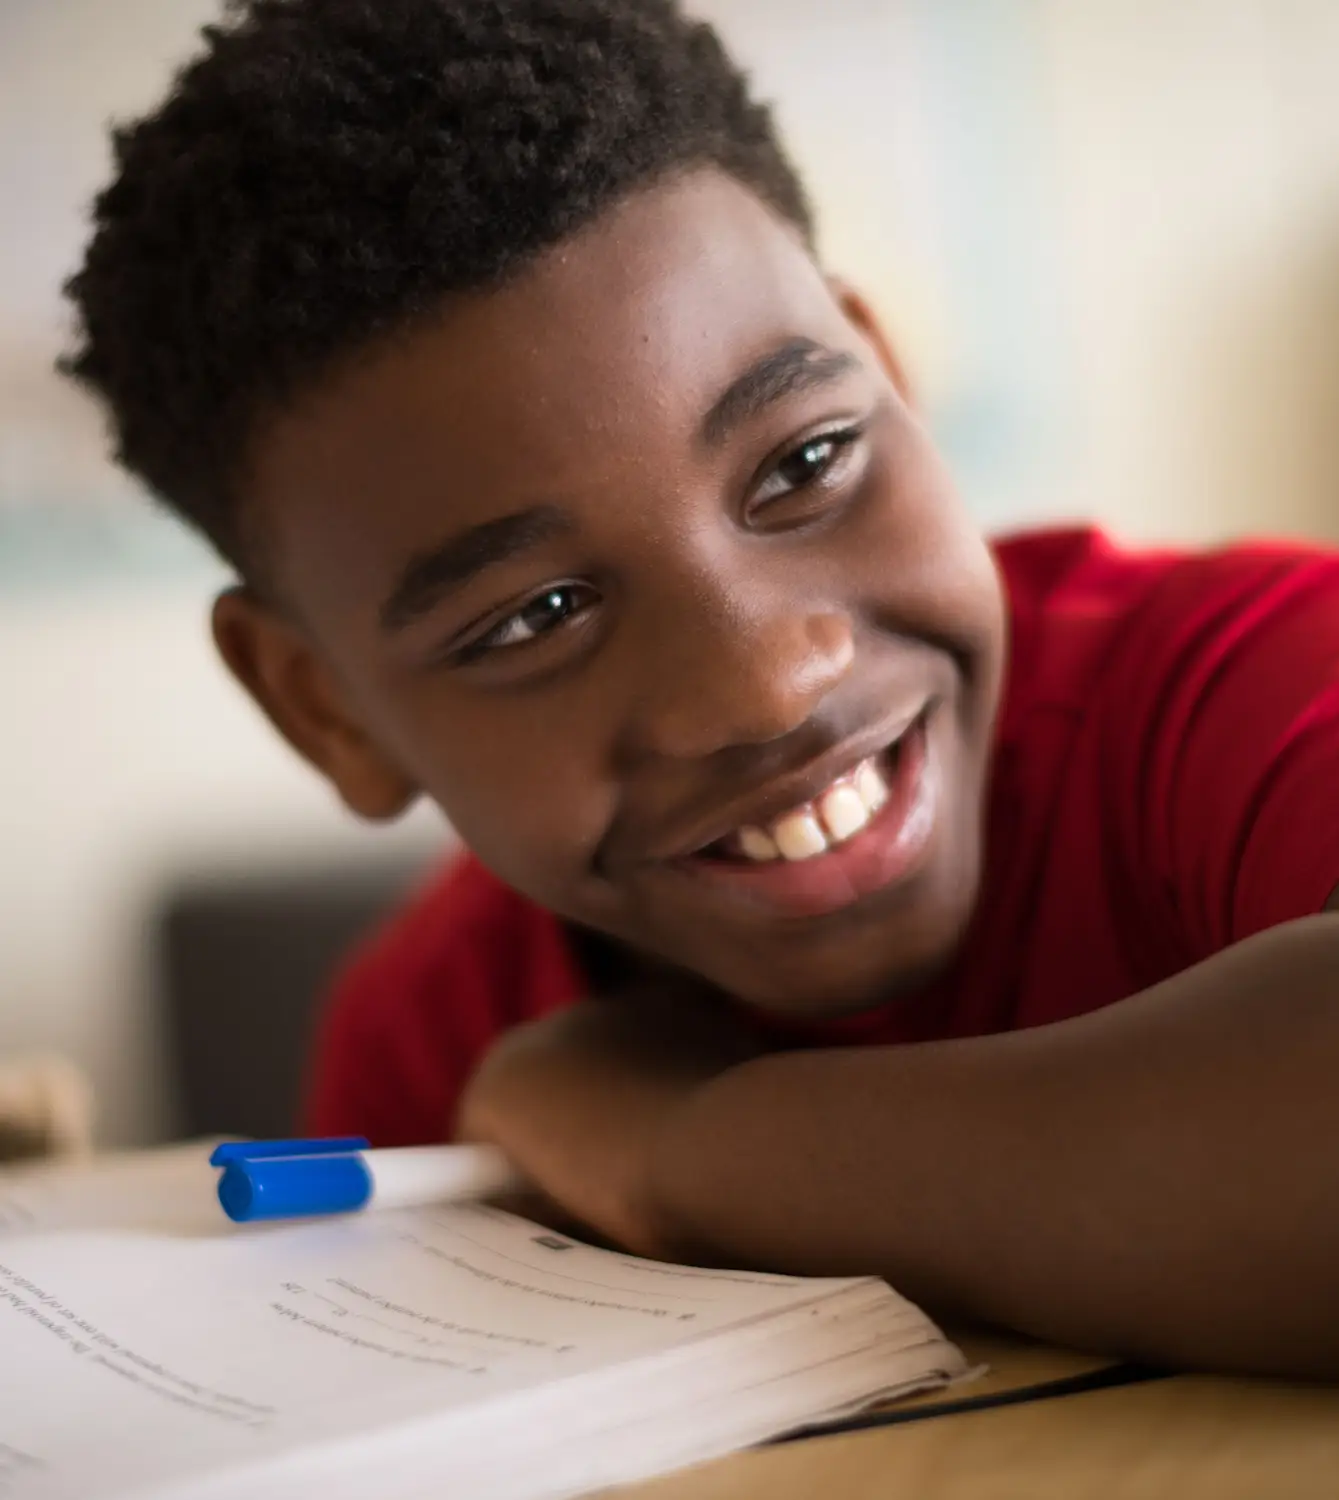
328,170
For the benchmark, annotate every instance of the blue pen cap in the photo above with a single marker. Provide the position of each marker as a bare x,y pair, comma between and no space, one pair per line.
318,1145
293,1187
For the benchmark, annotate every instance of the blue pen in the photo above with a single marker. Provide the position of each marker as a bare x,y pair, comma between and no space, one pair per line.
306,1178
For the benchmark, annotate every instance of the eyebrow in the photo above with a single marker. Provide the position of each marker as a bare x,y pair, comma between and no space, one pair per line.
798,365
428,578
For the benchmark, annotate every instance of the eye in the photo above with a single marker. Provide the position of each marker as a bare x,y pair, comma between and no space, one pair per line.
818,459
557,605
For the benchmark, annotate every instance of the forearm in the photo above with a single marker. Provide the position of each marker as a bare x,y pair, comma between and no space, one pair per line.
1158,1178
577,1100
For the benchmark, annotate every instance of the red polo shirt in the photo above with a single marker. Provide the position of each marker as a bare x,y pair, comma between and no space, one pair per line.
1165,782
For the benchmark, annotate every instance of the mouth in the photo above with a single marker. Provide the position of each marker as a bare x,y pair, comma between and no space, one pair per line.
869,828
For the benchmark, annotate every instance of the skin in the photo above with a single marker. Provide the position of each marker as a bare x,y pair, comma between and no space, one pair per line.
730,635
1153,1180
733,609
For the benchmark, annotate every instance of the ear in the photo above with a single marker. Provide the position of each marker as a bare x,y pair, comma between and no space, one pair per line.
275,663
865,321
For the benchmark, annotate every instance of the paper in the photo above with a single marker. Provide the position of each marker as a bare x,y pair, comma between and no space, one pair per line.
173,1355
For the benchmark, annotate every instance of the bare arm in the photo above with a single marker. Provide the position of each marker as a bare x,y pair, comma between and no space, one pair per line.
578,1101
1160,1178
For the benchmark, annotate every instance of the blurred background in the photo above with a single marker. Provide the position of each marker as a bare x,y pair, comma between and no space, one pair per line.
1106,234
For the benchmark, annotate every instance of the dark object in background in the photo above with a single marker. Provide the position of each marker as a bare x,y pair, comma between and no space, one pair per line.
243,964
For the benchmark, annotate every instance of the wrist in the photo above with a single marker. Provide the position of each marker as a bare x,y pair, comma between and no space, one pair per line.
683,1171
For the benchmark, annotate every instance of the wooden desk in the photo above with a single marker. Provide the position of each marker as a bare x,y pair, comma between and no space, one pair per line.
1187,1438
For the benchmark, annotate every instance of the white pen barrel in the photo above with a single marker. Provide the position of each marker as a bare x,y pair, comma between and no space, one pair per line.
407,1176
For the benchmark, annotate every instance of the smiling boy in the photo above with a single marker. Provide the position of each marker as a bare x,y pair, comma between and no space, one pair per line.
847,895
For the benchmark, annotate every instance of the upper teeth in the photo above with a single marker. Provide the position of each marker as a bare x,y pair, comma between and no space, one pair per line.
815,827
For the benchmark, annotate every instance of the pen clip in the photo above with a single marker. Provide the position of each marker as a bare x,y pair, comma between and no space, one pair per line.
243,1151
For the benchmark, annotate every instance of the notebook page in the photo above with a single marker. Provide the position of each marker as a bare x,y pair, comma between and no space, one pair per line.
633,1420
133,1359
860,1344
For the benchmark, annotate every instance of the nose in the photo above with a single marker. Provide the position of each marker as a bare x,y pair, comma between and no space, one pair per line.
729,680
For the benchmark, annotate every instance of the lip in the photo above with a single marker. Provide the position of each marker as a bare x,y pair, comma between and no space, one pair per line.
785,793
889,849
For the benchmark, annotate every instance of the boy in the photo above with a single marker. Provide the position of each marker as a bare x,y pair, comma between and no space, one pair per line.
853,897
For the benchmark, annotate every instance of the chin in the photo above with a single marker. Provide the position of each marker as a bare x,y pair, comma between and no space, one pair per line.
850,972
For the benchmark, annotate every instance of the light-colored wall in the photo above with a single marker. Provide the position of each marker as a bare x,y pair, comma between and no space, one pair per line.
129,759
1144,281
1197,152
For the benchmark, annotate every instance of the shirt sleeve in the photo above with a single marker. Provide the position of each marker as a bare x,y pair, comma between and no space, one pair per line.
413,1013
1224,706
362,1073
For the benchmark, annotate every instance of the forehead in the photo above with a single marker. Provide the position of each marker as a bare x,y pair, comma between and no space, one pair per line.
603,354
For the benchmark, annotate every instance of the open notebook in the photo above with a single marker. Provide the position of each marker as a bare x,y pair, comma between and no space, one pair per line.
455,1350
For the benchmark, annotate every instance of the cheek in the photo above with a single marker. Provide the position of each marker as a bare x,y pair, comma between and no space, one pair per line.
523,779
528,803
923,565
